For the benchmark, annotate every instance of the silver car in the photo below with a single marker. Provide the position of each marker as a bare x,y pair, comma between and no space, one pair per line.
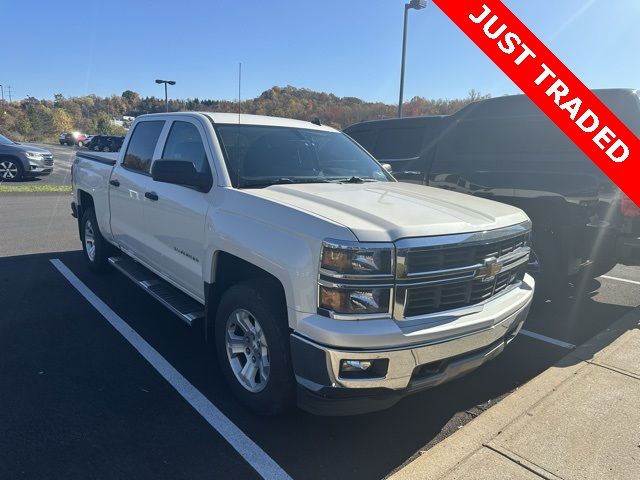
18,161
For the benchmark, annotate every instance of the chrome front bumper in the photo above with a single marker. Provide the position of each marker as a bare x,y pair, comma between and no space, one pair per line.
39,167
453,351
404,362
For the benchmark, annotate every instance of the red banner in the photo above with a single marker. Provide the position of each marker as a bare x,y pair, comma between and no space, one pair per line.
552,87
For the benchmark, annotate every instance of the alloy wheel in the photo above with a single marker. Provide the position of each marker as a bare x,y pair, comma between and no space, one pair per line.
247,350
8,170
89,240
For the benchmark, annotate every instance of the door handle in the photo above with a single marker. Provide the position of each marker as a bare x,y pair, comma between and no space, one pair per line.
114,182
151,195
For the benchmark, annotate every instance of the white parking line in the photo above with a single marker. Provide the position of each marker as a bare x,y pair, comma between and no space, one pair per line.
252,453
620,279
544,338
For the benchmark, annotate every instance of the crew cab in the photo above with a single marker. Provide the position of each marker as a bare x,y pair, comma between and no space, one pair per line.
507,150
320,279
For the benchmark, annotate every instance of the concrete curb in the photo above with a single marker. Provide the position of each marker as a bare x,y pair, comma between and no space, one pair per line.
446,456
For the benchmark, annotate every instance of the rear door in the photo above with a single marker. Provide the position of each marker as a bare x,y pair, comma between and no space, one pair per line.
128,184
175,217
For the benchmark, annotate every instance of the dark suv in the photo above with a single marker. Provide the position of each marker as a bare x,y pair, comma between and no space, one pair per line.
105,143
507,150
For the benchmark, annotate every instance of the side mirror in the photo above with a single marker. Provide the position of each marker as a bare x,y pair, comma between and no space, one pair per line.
387,167
180,172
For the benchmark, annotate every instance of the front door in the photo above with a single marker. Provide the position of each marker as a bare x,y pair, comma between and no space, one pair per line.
175,218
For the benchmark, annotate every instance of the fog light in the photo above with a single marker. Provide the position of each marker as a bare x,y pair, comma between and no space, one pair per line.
355,365
363,369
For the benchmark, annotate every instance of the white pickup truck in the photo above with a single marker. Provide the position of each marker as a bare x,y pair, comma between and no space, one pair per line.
320,279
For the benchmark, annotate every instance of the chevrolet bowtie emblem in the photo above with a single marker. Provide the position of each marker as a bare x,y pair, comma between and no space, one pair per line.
489,269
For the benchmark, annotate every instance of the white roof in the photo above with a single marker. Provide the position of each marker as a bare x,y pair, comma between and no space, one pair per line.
246,119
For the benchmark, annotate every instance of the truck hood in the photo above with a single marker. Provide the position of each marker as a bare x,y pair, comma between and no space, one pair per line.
389,211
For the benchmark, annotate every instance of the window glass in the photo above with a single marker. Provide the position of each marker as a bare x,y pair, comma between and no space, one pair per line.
142,145
363,137
5,141
501,136
399,143
261,155
185,143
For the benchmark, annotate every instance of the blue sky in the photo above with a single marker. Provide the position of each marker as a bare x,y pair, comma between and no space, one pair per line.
346,47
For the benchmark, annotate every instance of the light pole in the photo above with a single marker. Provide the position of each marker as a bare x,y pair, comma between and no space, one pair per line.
416,5
166,98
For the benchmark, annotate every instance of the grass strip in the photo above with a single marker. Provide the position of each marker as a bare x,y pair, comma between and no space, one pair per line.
4,188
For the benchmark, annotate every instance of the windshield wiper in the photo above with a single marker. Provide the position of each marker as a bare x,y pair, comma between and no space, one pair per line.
353,179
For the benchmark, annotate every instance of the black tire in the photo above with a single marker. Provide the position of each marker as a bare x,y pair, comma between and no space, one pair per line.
552,280
259,298
10,170
97,261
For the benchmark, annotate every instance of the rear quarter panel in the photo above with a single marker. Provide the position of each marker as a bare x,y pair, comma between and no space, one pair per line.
91,175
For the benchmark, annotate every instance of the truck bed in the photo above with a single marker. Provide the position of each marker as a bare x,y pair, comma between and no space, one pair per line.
108,158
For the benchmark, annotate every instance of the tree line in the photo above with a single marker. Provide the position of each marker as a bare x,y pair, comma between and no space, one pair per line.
37,120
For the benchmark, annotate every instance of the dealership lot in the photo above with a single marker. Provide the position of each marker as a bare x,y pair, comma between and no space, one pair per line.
80,401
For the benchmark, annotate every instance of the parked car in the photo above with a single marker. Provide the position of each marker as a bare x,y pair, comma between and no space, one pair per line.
507,150
105,143
319,278
72,138
18,161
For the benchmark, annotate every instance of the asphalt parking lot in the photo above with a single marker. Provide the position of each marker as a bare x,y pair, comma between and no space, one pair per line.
79,400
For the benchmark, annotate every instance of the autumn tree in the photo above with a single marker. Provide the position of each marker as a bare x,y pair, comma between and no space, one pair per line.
33,119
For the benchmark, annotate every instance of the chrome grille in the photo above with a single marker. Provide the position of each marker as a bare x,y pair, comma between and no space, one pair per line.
422,260
438,298
48,160
436,274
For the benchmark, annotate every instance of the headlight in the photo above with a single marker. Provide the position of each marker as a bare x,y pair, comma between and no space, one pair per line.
345,259
34,155
355,278
354,300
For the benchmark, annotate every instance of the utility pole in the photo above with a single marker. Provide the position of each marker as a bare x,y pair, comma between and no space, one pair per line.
2,91
9,92
416,5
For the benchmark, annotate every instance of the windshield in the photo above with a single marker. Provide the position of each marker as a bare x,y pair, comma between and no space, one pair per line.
5,141
259,156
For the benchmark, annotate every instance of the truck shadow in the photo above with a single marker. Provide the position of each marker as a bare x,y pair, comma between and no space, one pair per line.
306,446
